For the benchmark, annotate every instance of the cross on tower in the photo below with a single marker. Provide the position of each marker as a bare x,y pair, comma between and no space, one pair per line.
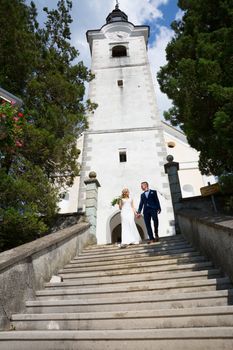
117,4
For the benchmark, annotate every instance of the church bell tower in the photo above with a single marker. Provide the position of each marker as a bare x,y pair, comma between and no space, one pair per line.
124,144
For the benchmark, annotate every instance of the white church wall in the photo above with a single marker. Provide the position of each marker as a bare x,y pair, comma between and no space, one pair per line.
69,204
129,105
114,176
191,179
126,120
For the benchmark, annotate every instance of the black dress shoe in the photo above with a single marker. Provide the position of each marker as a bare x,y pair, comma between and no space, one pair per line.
151,241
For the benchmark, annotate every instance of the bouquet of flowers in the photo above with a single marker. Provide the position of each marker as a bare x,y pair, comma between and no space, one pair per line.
115,201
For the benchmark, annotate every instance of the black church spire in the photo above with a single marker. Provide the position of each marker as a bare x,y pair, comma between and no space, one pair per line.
117,15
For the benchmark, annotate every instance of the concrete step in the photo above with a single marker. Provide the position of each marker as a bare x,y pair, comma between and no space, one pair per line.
125,279
205,338
144,319
124,260
119,266
137,289
173,300
66,274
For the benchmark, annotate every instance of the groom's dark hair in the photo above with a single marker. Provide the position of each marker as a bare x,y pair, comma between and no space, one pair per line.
145,182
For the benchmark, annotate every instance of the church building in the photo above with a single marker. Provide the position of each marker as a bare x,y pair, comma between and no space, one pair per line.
126,142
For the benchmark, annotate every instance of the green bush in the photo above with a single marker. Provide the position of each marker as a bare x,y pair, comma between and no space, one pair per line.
226,186
226,183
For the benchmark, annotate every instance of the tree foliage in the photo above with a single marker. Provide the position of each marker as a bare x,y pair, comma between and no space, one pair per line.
40,66
17,45
198,78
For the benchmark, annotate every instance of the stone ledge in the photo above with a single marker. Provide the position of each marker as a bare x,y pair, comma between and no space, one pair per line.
22,252
224,222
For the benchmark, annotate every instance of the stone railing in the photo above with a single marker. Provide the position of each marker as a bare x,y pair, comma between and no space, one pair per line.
25,269
211,234
196,219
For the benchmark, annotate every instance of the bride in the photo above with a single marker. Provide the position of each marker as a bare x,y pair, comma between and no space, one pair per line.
129,232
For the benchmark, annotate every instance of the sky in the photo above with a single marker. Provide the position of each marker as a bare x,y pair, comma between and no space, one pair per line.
91,14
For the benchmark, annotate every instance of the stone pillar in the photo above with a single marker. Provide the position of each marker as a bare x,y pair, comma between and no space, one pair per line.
171,168
92,185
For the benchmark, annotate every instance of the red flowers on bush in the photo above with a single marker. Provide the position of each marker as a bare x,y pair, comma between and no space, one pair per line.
12,127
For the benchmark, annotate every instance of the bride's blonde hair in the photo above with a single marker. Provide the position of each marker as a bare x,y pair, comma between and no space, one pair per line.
125,193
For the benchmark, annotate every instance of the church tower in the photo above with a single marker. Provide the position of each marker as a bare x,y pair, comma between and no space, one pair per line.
124,144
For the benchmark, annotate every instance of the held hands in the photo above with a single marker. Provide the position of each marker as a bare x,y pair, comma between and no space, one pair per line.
138,215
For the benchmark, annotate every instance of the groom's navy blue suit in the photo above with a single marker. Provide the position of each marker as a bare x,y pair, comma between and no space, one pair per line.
151,206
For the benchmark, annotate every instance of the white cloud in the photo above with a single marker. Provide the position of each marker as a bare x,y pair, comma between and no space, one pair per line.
141,10
179,15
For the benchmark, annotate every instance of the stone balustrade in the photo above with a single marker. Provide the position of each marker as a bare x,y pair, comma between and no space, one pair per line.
26,268
211,234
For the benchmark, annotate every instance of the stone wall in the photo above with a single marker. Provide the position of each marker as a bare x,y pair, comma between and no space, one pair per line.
211,234
25,269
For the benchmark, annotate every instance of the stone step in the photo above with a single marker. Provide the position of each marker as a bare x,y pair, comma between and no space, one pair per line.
135,264
144,319
129,252
124,260
174,300
204,338
125,279
136,247
136,290
157,254
140,270
106,247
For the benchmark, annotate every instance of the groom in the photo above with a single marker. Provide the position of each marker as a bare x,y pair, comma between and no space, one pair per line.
151,208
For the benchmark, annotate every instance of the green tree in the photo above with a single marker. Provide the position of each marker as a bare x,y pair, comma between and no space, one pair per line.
54,96
17,44
28,200
198,78
52,88
28,203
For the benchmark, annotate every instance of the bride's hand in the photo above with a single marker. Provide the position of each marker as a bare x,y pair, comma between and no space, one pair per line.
120,203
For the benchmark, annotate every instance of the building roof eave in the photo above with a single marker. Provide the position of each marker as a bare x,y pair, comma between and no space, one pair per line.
7,96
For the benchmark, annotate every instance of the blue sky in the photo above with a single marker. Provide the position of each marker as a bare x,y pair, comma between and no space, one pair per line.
91,14
170,11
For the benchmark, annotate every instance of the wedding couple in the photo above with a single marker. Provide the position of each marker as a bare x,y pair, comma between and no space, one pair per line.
149,202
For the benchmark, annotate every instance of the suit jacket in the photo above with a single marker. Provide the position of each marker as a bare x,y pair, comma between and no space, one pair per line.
152,202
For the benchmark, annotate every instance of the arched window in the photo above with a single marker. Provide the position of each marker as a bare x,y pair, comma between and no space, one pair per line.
119,51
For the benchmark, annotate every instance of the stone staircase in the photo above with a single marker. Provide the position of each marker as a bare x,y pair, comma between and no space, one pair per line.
158,296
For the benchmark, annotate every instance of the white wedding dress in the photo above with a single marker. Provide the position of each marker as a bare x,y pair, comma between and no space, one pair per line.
129,231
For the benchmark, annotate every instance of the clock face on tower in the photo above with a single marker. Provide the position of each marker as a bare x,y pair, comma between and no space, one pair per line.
117,35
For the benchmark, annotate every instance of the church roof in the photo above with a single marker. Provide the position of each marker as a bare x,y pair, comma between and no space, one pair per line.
116,15
171,130
7,96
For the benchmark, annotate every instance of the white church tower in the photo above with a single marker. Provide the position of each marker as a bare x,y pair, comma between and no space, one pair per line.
125,143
